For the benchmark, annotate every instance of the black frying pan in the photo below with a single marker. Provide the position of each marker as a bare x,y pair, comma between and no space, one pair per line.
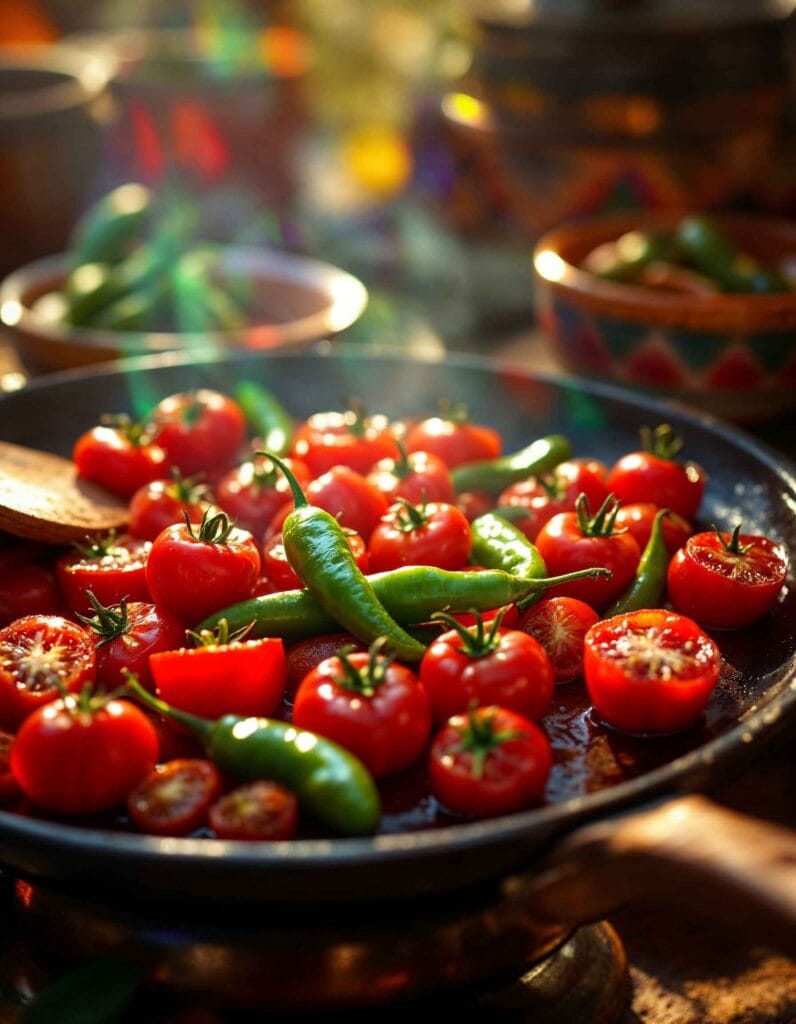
756,697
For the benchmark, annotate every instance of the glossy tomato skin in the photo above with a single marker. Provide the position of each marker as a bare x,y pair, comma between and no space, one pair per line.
281,574
348,496
175,797
641,476
192,577
558,492
27,589
107,456
514,772
517,675
239,678
329,439
650,671
200,431
454,441
34,650
260,810
442,538
305,655
723,589
565,548
387,730
149,630
560,625
424,478
160,504
118,573
72,761
638,518
252,493
10,790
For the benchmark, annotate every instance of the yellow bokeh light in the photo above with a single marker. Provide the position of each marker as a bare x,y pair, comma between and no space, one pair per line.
379,160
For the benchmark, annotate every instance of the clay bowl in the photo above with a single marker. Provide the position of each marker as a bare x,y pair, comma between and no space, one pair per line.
298,300
730,354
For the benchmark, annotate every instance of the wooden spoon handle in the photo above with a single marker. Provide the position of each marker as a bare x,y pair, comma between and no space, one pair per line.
687,852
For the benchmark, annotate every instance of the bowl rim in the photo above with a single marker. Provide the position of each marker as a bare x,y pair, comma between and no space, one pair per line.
76,80
346,297
554,269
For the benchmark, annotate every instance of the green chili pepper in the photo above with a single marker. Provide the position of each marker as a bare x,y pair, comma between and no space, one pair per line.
713,253
648,588
107,229
95,992
623,259
410,594
498,544
318,551
266,416
87,289
328,781
494,475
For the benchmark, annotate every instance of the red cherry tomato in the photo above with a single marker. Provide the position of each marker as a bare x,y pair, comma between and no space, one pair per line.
490,761
193,572
251,494
352,439
572,540
654,475
127,634
435,533
200,431
122,458
499,666
112,568
474,503
346,495
638,518
373,707
416,476
560,624
305,655
454,439
238,678
35,651
726,581
83,756
27,589
10,790
162,502
259,810
649,671
174,798
281,574
558,491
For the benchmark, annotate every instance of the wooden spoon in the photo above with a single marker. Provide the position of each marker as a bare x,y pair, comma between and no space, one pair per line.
42,498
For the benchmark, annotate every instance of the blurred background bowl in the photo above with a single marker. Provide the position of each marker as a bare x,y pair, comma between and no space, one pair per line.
731,354
50,143
297,301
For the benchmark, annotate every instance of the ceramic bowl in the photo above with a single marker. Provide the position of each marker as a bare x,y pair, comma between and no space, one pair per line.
298,300
733,355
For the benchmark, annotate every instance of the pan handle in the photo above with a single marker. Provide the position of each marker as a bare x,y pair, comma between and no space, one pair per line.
689,852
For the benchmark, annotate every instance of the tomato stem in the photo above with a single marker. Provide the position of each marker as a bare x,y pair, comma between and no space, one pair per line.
732,546
661,442
108,621
602,523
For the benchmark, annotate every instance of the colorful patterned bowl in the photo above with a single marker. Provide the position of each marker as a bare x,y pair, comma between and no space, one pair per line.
733,355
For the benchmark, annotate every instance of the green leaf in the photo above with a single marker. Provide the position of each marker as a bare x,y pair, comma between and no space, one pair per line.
96,992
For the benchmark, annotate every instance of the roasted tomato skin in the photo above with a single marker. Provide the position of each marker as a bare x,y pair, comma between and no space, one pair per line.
117,571
722,588
34,650
650,671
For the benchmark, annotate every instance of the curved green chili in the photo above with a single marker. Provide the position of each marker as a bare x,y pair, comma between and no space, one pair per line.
410,594
104,233
648,588
266,416
494,475
328,781
498,544
318,551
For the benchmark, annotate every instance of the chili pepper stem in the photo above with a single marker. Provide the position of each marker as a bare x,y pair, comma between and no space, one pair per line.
299,497
202,727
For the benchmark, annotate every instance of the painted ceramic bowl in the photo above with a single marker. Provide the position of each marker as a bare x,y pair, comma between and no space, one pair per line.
296,301
733,355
